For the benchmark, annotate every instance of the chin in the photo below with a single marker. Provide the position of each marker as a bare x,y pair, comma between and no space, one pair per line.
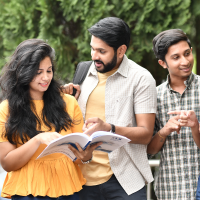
100,70
186,75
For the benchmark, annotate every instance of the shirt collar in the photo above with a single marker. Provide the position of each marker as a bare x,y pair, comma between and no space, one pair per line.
123,70
187,82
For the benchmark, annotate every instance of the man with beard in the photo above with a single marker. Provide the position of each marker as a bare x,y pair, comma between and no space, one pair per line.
118,96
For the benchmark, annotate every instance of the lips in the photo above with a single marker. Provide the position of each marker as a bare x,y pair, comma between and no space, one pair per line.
186,69
44,84
98,64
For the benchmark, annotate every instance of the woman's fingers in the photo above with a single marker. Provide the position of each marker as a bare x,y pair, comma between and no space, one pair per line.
84,154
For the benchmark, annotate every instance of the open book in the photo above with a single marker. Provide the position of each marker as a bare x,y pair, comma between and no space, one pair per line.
110,142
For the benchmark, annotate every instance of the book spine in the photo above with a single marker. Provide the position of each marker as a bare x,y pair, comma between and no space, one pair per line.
75,159
86,145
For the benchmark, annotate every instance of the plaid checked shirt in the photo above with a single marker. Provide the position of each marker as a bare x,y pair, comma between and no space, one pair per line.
180,157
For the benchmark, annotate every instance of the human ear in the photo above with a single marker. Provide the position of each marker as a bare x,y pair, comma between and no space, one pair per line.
162,63
121,50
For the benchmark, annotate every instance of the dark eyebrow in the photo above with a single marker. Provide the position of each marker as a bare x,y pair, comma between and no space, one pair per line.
98,48
177,53
48,68
187,50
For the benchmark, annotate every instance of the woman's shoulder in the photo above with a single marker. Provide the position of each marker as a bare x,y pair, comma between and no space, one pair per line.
4,105
71,104
68,98
4,110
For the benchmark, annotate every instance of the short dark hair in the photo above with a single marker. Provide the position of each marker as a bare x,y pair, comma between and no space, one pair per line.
165,39
113,31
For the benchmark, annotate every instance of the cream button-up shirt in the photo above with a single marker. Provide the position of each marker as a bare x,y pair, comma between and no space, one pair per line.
130,90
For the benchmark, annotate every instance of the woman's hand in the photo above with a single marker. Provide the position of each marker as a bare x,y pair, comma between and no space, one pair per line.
86,154
13,158
47,137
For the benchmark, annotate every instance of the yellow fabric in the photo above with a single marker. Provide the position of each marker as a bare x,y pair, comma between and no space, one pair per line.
98,171
53,175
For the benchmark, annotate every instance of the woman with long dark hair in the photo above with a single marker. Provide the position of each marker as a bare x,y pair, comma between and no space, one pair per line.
34,112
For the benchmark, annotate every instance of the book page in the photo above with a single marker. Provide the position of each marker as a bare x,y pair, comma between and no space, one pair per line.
110,141
60,145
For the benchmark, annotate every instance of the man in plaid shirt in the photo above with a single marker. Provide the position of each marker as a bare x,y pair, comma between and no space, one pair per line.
180,157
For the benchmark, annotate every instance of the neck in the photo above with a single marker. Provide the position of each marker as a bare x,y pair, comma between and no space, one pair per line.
118,63
177,84
36,96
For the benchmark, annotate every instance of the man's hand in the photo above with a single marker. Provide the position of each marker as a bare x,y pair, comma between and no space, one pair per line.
172,125
95,124
159,139
187,117
68,89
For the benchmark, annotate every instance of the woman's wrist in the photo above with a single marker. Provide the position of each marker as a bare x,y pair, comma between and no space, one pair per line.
88,161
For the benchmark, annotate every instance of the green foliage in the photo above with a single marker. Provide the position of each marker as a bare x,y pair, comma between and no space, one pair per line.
64,24
18,21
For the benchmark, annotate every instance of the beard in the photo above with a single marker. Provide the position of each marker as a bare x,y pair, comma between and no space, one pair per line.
107,67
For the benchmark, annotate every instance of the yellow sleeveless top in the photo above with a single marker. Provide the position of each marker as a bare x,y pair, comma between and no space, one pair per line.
53,175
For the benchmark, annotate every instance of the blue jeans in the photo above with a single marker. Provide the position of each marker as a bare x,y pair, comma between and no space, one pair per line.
198,190
31,197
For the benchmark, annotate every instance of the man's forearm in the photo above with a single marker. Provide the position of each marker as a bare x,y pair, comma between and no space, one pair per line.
137,135
141,134
156,143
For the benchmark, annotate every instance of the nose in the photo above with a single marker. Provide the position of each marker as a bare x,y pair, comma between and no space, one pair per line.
184,60
45,76
94,55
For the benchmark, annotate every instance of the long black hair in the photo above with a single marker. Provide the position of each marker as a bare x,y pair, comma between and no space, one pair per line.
23,122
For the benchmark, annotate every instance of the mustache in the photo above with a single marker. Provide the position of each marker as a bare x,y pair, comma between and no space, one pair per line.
99,61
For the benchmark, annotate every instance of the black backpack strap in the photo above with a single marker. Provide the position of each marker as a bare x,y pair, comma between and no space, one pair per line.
80,73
